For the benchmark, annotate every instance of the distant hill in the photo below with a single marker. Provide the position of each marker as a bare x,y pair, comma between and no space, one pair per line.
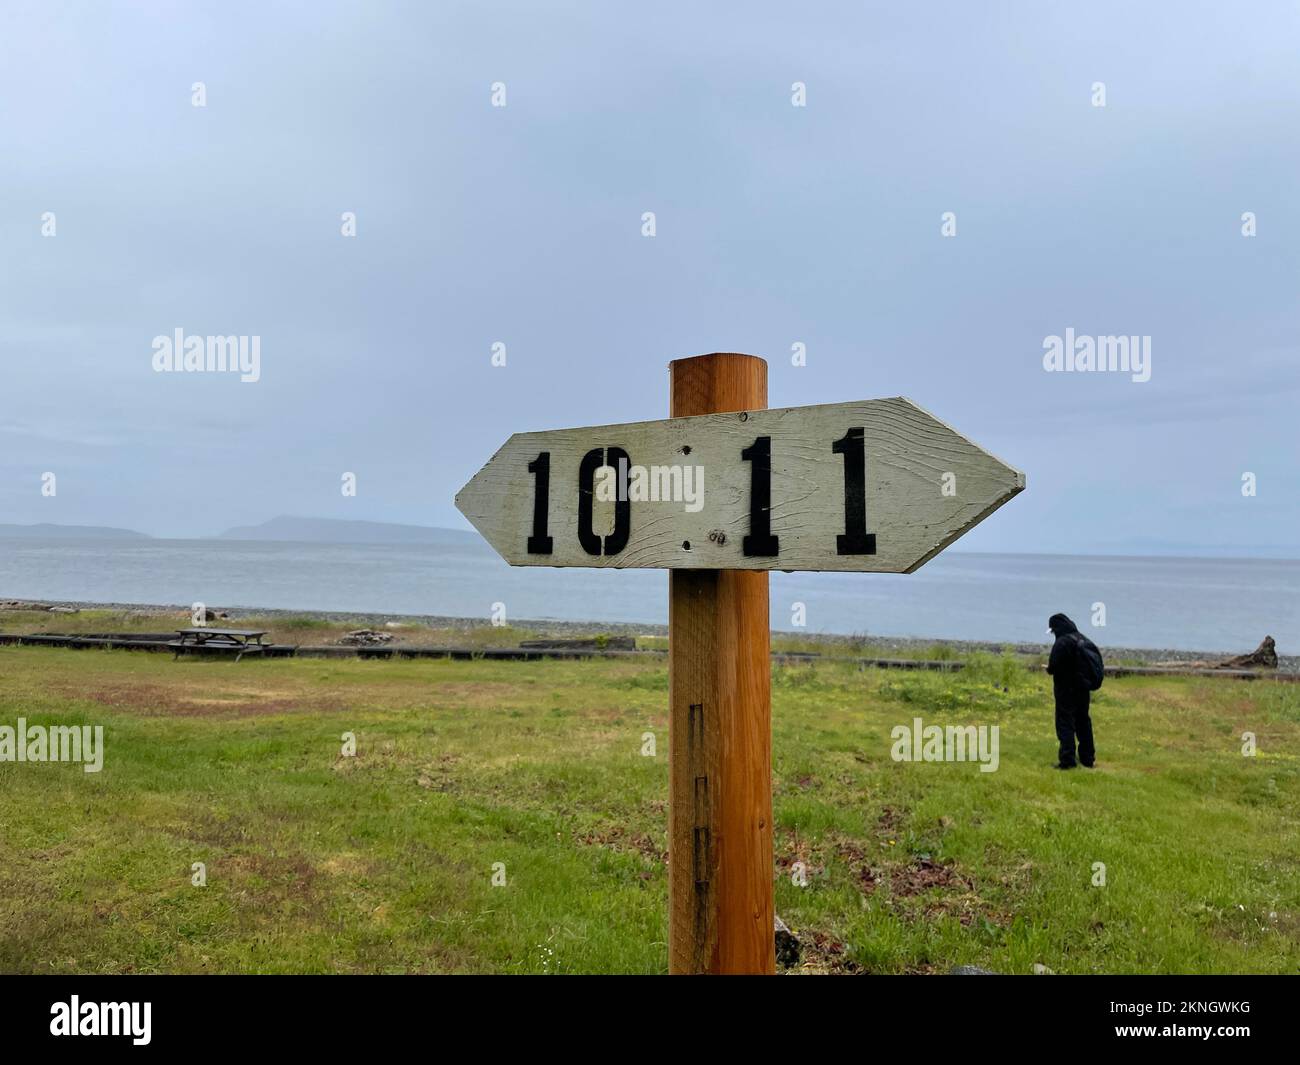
48,531
336,531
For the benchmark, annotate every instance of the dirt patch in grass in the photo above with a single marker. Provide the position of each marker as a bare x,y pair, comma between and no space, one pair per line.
785,864
437,777
1019,878
927,889
209,831
260,708
854,857
53,854
618,838
345,863
128,696
967,909
158,701
822,953
888,821
925,874
921,875
293,875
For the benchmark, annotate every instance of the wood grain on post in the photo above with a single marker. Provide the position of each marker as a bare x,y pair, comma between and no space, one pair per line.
720,727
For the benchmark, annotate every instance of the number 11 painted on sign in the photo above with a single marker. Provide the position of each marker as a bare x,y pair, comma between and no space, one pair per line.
855,540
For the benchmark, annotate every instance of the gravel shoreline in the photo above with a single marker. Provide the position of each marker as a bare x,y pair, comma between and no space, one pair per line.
552,627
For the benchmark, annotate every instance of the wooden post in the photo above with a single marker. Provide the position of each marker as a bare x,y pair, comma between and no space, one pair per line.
720,916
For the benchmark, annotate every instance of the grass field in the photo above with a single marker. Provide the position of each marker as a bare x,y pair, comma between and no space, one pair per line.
383,862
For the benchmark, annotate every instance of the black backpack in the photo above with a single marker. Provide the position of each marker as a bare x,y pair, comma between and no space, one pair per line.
1092,670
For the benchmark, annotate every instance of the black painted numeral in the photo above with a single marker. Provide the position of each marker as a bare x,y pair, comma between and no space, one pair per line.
539,543
591,462
855,540
760,543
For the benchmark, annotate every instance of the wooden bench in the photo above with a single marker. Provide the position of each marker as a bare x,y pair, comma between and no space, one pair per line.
241,641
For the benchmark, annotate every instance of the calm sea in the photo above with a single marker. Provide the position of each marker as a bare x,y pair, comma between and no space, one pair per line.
1179,603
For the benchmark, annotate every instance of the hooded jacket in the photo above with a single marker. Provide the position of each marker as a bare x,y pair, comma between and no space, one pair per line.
1063,664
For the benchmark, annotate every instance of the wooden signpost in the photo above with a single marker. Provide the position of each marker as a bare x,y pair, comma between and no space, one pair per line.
719,493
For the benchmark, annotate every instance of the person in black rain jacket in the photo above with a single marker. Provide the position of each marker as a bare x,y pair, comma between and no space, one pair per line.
1072,693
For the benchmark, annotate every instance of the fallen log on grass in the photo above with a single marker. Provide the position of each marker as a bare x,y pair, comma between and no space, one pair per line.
1262,657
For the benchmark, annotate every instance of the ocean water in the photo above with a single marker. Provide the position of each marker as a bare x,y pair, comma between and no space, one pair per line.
1206,604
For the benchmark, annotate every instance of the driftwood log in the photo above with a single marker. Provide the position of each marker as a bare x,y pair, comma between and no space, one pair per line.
365,638
1263,657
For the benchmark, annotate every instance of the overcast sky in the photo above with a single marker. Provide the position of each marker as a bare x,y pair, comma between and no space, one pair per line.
522,224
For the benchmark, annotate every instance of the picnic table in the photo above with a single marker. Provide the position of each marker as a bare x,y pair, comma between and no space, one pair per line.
241,641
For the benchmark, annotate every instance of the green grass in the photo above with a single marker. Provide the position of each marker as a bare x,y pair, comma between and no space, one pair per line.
383,862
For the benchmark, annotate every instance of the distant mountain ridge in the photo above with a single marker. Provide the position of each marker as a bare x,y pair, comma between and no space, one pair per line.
341,531
48,531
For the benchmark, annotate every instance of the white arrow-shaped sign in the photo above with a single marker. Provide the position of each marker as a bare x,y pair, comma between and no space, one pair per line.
878,485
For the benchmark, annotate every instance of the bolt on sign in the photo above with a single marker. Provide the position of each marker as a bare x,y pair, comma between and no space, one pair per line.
877,486
718,495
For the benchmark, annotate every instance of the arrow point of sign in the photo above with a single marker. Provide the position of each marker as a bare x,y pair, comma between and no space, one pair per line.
478,495
1012,484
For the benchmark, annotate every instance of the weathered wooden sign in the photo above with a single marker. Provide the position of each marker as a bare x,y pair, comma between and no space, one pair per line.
879,485
718,498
